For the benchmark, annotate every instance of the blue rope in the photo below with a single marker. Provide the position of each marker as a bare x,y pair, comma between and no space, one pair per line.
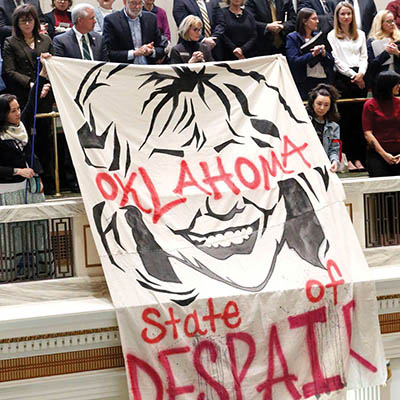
34,124
35,112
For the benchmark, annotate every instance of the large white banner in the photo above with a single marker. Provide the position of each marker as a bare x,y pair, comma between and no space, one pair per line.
229,254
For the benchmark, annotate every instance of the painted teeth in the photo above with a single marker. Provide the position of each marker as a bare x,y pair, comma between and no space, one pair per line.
224,240
238,240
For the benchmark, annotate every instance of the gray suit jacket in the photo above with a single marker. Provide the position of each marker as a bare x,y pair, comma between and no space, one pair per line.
66,45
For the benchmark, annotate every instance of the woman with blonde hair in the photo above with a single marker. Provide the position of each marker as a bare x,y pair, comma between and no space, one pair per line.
189,49
349,49
383,45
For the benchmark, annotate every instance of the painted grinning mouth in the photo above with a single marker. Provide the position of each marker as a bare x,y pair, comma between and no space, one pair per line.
225,243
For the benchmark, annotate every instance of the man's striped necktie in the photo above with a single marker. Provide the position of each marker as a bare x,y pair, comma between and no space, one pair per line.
206,20
85,48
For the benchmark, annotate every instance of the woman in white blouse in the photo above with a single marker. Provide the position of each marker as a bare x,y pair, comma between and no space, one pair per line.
349,50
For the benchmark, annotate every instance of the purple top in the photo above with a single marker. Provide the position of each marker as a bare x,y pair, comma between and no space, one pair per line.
162,21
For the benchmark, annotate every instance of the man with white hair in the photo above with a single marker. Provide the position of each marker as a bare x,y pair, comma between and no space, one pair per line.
83,43
80,41
132,35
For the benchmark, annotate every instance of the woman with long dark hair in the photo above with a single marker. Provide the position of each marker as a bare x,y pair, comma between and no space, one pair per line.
20,70
313,66
381,124
324,116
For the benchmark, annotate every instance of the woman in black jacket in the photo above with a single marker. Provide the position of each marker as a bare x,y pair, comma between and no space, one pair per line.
189,49
19,72
240,31
15,148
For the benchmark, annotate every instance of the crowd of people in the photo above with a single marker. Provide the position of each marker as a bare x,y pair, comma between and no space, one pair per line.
334,49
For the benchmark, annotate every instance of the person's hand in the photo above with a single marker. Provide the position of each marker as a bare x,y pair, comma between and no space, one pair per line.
392,48
25,172
60,29
358,77
43,28
334,166
361,84
45,56
43,71
315,51
45,90
275,27
320,49
238,53
390,158
210,42
197,57
148,49
359,80
145,50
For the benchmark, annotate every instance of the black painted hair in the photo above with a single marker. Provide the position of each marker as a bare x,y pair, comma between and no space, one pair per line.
383,88
5,100
303,15
323,89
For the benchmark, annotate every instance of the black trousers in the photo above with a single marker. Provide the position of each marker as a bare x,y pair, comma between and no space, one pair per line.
377,166
351,132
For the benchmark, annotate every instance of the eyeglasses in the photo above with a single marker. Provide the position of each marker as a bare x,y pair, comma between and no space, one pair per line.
196,29
25,20
389,21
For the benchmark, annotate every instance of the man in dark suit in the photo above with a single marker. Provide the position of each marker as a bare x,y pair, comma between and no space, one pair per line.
7,8
79,42
324,10
132,35
69,44
275,19
208,12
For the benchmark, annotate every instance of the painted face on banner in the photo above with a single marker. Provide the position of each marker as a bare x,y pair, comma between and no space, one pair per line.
217,198
220,229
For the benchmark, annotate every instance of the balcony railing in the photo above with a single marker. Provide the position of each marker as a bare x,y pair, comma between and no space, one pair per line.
382,219
48,240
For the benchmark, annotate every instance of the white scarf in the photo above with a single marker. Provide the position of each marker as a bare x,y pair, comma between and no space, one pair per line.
15,132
